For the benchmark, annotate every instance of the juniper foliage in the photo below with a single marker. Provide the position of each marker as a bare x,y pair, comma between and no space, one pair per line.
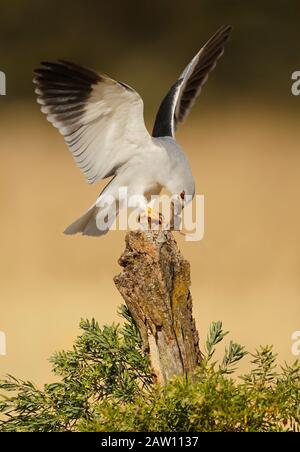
106,385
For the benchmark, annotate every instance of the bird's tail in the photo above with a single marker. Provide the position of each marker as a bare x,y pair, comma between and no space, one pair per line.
95,222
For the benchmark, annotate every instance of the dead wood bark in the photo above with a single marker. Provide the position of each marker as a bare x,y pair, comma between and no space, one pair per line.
155,284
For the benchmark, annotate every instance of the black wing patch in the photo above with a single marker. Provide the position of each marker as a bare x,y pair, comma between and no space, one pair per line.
63,88
182,95
163,126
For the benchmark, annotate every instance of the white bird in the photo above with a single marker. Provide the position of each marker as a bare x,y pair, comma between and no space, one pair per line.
102,124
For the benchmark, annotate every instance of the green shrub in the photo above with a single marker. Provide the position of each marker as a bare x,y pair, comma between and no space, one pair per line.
106,385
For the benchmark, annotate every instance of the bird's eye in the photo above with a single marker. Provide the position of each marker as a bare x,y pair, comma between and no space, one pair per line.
182,194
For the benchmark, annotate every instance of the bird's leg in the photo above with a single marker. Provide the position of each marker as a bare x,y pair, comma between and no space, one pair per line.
150,218
155,217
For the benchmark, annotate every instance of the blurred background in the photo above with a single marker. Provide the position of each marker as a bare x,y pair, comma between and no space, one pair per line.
242,139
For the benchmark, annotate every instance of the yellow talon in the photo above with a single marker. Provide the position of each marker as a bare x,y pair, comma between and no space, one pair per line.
152,215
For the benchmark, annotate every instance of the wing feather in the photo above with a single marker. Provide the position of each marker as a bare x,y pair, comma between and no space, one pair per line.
101,119
182,95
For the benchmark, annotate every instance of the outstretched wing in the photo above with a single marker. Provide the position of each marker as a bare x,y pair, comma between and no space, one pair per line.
101,119
182,95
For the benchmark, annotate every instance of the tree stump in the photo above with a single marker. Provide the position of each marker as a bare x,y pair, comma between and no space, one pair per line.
155,284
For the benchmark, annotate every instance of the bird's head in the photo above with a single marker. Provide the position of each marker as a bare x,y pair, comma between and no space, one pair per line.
183,192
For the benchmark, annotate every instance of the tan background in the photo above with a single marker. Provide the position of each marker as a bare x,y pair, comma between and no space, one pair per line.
242,140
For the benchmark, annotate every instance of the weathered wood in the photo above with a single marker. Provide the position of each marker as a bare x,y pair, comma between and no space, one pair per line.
155,284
